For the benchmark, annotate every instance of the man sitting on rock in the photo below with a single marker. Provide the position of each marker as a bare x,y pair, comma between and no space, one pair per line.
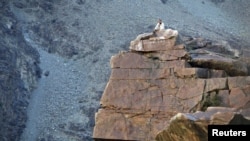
159,26
160,32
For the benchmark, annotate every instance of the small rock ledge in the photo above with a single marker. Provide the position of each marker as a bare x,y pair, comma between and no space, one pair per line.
155,85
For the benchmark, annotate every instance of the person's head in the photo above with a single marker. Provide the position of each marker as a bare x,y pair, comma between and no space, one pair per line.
159,21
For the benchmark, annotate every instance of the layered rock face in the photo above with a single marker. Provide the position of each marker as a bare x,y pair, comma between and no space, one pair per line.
156,80
19,72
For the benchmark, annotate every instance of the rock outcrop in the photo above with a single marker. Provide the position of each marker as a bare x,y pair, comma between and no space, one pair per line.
158,79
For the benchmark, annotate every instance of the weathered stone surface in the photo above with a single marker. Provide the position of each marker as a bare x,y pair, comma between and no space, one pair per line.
195,43
240,81
174,64
130,60
240,97
215,84
193,127
152,45
140,73
221,47
137,44
191,88
168,55
223,96
198,73
135,60
179,46
207,59
129,125
158,45
191,72
216,73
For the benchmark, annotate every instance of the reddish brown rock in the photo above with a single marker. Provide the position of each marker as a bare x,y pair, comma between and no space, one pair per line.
175,54
198,73
118,91
133,60
240,97
191,72
191,88
140,74
129,125
130,60
223,96
179,46
215,84
239,81
174,64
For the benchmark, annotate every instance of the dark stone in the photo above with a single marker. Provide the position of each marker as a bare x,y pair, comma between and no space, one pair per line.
62,126
46,73
217,1
81,2
47,6
164,1
76,127
19,5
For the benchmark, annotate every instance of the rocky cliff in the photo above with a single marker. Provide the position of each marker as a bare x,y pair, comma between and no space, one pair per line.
19,72
158,79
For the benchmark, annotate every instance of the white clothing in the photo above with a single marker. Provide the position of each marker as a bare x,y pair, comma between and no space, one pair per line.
159,26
